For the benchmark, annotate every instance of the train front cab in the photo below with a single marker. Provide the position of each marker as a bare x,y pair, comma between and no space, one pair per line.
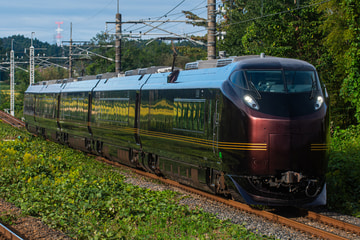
279,109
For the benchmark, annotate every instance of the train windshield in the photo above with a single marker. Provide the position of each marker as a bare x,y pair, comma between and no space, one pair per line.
281,81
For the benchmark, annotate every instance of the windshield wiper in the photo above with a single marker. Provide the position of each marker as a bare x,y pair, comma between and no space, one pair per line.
255,89
313,88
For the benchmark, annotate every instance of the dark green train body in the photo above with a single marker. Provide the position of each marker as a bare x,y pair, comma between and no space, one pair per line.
255,129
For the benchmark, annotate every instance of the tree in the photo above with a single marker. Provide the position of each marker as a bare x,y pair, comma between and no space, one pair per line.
50,73
98,64
276,28
323,34
342,28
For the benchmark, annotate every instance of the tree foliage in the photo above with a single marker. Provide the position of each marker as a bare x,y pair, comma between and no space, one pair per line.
135,54
141,54
342,27
325,34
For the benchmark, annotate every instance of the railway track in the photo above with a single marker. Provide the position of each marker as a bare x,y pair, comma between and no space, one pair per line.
8,234
301,220
330,228
7,118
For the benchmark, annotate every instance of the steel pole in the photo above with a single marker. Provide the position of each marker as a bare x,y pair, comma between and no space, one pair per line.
12,80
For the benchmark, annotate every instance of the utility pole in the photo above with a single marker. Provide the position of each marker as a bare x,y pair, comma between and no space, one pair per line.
70,53
211,24
118,41
12,79
32,61
118,31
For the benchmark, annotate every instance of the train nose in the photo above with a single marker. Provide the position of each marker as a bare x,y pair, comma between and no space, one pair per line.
296,145
286,151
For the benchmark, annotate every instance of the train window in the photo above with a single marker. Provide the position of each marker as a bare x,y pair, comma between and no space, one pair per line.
300,81
45,106
238,78
74,107
112,110
273,80
189,114
266,80
29,105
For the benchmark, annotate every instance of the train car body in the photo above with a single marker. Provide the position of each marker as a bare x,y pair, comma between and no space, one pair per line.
255,129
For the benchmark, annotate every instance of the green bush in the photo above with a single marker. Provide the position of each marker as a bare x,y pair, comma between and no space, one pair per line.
73,192
8,132
343,177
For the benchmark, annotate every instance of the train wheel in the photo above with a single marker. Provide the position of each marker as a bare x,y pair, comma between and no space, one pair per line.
216,181
134,158
88,144
58,136
99,147
153,163
220,185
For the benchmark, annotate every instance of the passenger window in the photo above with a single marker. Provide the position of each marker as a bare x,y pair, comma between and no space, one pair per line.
238,79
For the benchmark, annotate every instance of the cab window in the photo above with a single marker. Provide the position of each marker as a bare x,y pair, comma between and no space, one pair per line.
238,78
300,81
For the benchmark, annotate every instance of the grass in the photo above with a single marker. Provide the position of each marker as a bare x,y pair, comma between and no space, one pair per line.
74,193
85,199
343,177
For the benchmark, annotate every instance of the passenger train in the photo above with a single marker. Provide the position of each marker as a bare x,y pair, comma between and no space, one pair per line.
254,128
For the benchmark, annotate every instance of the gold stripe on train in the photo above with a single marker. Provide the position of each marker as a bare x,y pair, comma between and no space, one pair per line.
319,147
207,143
198,141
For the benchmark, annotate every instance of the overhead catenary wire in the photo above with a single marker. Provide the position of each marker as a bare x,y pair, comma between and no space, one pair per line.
164,15
169,25
274,14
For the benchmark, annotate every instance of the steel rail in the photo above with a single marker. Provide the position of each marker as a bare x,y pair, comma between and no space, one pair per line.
7,118
243,207
261,213
246,208
8,234
332,222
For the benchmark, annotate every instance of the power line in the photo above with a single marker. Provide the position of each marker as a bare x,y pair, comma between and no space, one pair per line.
278,13
129,29
165,15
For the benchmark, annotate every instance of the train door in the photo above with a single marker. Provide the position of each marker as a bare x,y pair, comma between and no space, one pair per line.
215,177
216,119
137,118
57,109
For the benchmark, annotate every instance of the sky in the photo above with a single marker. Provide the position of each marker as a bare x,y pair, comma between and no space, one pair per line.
89,17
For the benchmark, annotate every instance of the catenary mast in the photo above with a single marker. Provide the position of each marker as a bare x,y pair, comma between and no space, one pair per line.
12,79
32,61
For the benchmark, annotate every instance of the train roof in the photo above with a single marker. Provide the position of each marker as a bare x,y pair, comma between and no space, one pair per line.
200,74
44,88
274,63
252,62
122,83
82,86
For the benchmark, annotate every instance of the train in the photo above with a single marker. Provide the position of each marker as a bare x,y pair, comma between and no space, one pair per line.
252,128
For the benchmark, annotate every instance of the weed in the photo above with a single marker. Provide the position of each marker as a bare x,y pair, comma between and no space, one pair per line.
86,199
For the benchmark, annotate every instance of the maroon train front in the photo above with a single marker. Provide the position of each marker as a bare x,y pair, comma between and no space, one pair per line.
254,128
280,108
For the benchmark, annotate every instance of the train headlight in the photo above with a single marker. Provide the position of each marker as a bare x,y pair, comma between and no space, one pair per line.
319,102
250,101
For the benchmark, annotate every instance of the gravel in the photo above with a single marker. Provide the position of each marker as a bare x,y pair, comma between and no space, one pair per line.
32,228
252,223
